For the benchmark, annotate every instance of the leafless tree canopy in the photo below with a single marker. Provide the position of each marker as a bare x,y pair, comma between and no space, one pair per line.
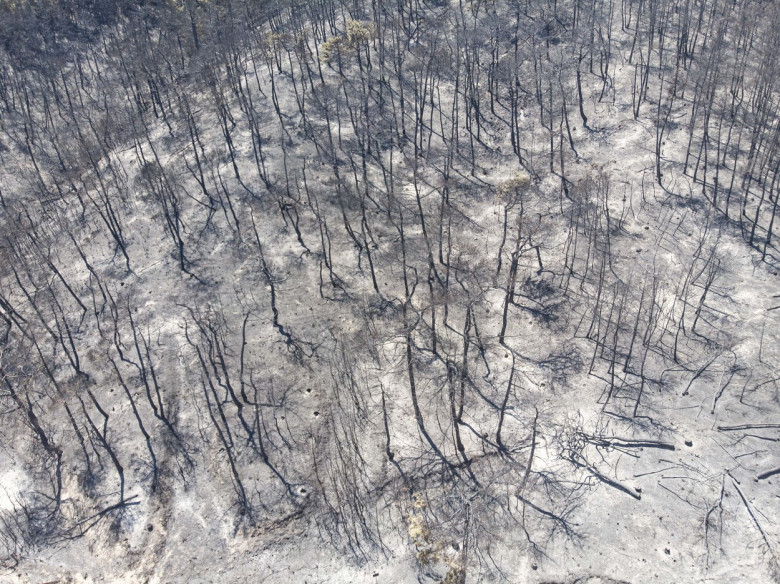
454,290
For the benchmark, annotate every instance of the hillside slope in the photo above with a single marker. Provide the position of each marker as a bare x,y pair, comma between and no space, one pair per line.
389,292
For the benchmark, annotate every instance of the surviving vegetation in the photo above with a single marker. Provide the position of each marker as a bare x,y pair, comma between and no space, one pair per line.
349,290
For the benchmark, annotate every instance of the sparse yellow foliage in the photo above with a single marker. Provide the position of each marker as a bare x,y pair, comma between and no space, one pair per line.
453,576
420,535
426,556
455,573
506,190
517,182
417,529
180,5
357,33
331,48
360,32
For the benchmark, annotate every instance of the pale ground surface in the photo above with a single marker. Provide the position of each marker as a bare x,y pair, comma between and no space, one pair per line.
191,537
657,539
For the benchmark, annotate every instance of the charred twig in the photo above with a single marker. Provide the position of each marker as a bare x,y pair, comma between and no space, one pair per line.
627,442
719,506
767,474
698,374
530,454
747,427
606,480
755,520
555,518
96,517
